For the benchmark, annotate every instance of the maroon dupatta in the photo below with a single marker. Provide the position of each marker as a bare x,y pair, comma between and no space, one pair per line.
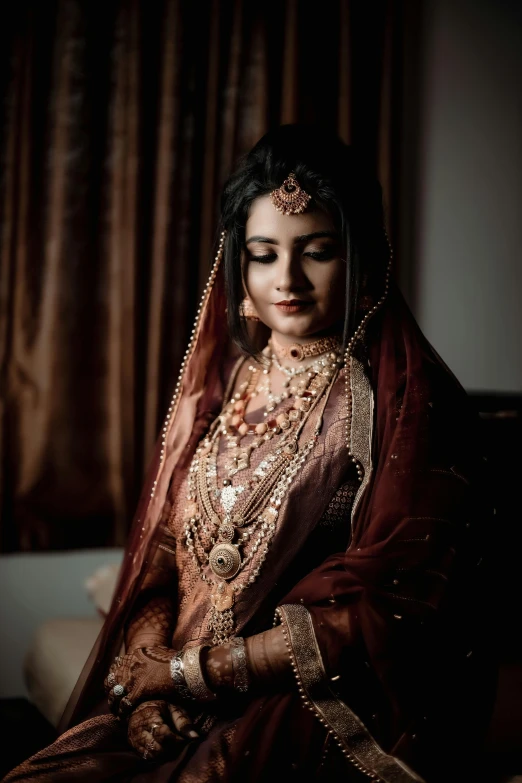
383,636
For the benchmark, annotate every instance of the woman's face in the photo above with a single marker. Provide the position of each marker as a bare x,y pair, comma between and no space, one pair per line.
294,258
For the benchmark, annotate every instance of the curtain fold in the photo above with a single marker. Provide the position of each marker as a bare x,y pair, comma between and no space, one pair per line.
119,126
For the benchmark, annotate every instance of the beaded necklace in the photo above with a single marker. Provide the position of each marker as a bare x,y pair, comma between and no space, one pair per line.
214,516
234,426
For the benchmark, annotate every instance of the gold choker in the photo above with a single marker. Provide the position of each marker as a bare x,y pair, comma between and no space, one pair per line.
297,352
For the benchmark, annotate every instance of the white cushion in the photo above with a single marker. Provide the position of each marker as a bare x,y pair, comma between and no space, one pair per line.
100,587
55,660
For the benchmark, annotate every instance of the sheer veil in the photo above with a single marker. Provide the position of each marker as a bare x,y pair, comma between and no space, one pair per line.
396,614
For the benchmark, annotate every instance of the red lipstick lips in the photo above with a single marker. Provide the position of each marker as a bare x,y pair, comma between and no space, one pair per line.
292,305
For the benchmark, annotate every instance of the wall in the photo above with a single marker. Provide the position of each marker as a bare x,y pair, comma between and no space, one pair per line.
468,287
35,588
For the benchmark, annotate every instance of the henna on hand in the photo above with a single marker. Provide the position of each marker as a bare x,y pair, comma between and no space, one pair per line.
145,673
153,618
139,676
151,625
157,727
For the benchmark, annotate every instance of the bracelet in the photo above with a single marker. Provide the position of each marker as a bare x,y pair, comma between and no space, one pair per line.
178,675
193,674
239,664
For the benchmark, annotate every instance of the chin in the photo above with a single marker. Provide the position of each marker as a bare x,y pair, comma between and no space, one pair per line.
294,325
298,327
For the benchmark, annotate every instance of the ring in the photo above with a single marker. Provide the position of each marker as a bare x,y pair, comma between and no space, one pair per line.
111,679
154,727
118,690
118,659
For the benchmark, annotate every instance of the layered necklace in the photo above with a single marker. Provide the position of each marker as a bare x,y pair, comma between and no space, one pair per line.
220,521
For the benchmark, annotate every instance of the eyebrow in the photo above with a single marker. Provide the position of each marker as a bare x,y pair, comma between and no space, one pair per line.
297,240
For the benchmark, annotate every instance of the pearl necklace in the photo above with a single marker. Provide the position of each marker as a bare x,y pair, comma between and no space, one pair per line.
209,535
234,426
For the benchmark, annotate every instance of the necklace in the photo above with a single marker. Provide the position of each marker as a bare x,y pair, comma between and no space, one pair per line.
234,426
221,522
298,352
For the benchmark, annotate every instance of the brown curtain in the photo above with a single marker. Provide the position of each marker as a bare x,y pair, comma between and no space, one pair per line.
119,124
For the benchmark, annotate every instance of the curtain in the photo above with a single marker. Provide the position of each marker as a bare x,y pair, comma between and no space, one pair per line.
119,123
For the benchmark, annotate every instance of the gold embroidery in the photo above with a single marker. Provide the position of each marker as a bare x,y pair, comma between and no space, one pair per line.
166,549
362,425
339,506
352,736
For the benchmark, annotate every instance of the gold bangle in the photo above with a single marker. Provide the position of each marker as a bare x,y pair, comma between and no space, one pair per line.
178,675
239,664
194,674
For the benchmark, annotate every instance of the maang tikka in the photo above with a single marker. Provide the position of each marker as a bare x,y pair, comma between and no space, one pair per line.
290,198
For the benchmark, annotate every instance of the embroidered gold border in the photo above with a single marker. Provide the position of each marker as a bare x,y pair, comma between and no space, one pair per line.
361,431
352,736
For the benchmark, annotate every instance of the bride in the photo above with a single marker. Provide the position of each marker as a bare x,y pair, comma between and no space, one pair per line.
302,591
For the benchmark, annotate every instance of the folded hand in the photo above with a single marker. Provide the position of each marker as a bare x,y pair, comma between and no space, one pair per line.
138,676
157,728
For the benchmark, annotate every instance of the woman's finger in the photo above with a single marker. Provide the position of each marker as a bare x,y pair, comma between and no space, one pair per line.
125,706
120,702
114,703
166,737
149,747
161,732
182,722
152,744
123,678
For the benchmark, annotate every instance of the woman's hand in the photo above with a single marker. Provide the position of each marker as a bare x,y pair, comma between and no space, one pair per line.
138,676
156,727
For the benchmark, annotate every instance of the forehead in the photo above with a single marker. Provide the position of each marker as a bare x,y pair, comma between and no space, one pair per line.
265,220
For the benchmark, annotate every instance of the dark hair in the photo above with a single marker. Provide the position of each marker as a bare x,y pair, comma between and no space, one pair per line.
333,174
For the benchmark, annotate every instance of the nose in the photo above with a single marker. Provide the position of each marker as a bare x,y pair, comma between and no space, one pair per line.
290,274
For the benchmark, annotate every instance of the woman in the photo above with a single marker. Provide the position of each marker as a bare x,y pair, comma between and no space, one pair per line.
301,594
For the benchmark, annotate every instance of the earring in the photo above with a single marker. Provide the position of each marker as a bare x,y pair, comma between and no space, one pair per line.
247,310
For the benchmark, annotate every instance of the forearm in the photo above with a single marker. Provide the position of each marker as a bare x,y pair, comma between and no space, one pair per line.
268,663
258,664
153,619
152,624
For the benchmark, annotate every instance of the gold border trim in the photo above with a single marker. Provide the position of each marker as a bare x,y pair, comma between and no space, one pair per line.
361,431
352,736
167,549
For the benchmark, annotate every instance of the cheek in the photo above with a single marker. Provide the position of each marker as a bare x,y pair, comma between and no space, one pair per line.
330,283
257,279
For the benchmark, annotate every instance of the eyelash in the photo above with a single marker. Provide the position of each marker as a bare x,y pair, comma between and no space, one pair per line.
323,255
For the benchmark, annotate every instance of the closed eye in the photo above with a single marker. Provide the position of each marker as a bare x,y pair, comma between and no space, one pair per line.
322,255
317,255
266,259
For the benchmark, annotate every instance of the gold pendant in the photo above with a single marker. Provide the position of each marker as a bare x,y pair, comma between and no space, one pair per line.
229,496
222,597
226,532
222,625
240,460
225,560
